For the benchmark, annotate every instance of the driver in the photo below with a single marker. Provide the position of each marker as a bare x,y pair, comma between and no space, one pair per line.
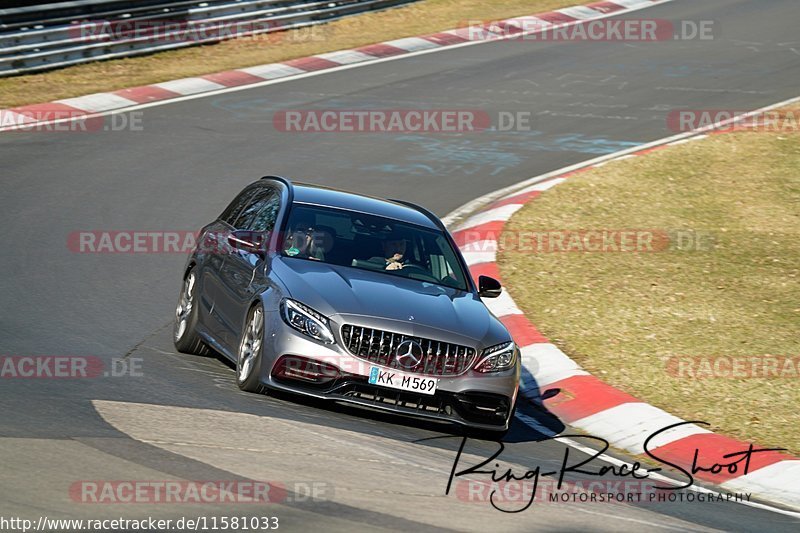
394,251
322,242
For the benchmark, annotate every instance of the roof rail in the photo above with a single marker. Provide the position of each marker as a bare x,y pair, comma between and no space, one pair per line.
433,218
283,180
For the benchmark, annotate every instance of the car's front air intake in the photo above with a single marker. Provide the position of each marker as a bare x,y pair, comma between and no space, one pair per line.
435,358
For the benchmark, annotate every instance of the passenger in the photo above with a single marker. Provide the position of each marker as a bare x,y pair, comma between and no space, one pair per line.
299,240
322,242
309,242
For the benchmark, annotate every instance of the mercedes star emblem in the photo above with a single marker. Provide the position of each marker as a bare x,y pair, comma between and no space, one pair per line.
409,354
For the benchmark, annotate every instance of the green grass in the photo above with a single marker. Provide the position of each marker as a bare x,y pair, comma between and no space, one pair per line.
624,315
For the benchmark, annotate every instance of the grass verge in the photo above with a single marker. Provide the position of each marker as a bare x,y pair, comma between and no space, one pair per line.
426,16
628,318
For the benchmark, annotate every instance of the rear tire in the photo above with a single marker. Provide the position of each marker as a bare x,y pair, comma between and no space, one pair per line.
184,333
248,361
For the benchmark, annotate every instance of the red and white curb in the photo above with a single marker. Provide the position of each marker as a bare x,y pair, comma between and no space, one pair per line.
25,117
585,402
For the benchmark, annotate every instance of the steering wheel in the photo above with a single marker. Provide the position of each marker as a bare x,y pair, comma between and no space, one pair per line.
413,271
410,266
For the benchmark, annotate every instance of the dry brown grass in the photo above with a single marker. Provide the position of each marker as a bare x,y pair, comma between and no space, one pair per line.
623,315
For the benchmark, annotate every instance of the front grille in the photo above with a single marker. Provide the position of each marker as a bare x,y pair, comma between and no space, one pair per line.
378,346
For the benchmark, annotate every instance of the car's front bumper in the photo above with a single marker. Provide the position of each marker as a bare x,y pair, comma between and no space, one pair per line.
478,400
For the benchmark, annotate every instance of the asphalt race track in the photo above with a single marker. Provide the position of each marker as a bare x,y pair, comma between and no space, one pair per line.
184,418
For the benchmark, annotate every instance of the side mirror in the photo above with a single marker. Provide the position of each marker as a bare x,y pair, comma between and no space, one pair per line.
489,287
248,241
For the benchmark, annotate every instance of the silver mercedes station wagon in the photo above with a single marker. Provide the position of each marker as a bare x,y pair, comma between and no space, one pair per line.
349,298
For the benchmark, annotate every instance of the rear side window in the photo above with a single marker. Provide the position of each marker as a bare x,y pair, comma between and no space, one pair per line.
262,213
235,207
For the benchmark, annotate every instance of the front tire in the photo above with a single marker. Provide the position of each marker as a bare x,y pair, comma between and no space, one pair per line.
248,362
184,333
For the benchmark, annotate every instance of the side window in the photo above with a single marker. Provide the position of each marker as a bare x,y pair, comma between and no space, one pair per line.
236,206
268,214
261,211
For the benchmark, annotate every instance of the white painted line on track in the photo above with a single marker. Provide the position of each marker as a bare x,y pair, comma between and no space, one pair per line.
346,57
412,44
640,420
580,12
498,214
270,72
188,86
97,102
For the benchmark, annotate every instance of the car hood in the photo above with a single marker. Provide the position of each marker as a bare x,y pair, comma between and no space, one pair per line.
343,292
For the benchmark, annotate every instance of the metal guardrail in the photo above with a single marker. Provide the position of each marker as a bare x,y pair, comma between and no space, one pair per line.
109,29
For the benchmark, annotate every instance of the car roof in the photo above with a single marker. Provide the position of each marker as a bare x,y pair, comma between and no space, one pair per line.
307,193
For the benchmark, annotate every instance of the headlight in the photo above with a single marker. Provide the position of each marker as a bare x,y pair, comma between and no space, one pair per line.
306,321
497,358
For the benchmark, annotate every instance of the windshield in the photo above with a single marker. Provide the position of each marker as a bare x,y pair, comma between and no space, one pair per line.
369,242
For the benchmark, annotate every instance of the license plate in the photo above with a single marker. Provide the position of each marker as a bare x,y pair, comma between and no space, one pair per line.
401,381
